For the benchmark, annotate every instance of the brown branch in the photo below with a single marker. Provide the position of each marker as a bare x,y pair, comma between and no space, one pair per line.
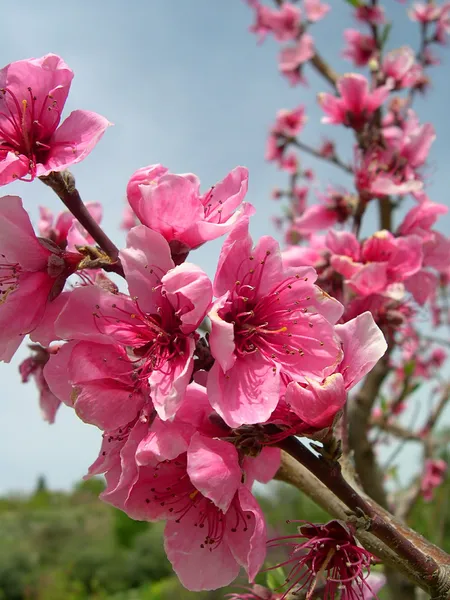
63,184
359,412
322,67
335,160
431,564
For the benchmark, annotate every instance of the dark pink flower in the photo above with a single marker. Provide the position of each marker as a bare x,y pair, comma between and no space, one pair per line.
373,15
433,477
32,274
356,103
173,206
360,48
330,555
157,323
267,322
290,122
32,97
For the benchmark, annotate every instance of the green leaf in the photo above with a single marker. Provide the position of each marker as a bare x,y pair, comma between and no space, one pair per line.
275,579
385,34
409,367
354,3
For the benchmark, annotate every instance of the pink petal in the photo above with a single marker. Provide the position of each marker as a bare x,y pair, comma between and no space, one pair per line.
263,467
363,344
197,567
56,373
18,241
145,261
168,390
236,396
318,403
213,467
189,290
221,338
249,545
74,140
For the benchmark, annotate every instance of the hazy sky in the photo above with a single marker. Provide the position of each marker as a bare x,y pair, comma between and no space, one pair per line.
186,85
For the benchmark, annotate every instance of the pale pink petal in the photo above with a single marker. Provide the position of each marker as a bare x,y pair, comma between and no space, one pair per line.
370,279
221,338
315,218
247,393
165,441
363,344
422,285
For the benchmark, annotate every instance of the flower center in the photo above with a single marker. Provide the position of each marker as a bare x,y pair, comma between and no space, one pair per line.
155,339
25,128
9,276
266,322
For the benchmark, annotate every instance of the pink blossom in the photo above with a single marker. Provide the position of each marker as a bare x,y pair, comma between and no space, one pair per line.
32,94
289,163
157,323
173,206
433,477
356,103
373,15
360,48
254,343
65,231
32,274
337,207
424,13
283,23
292,59
400,65
443,24
290,122
181,471
420,219
34,366
316,10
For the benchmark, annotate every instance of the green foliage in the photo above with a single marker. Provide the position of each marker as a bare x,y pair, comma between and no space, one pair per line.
71,546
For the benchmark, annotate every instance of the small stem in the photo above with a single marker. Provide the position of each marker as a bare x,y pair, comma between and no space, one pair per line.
324,69
63,184
331,159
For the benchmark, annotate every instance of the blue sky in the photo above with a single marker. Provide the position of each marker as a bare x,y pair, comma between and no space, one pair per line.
186,85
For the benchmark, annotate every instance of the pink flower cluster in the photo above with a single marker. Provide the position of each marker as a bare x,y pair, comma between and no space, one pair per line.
188,420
